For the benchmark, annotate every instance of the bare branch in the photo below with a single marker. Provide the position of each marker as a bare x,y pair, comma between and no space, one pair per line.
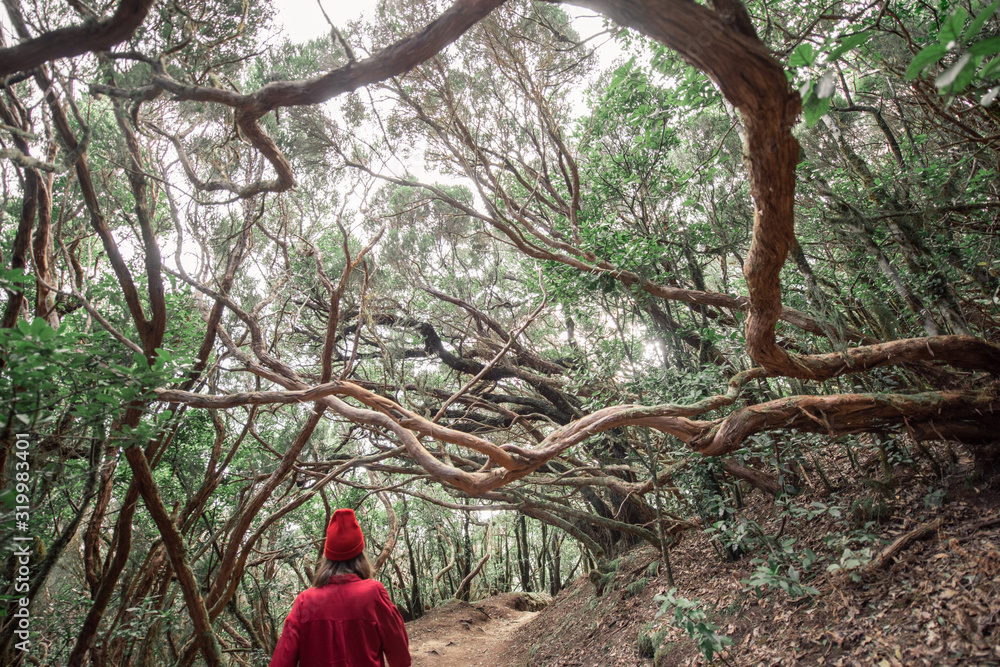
72,41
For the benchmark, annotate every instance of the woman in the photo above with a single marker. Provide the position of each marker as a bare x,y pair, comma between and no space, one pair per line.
346,619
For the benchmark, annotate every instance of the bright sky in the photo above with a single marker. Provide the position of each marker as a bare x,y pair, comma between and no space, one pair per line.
303,19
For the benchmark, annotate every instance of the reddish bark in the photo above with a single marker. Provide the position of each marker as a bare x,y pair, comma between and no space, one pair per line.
832,414
29,207
75,40
177,551
391,61
121,547
841,413
756,478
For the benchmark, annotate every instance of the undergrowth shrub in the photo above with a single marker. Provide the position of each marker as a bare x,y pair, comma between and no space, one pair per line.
691,618
870,508
635,588
650,640
604,576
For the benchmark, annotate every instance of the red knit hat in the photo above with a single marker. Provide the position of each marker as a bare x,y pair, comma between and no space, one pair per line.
344,540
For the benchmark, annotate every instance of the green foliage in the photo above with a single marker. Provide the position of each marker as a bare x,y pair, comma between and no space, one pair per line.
689,616
806,61
45,368
870,508
13,279
603,577
650,640
634,588
731,534
649,180
851,560
623,145
737,535
774,573
673,385
958,35
855,550
816,97
813,510
785,567
147,615
935,498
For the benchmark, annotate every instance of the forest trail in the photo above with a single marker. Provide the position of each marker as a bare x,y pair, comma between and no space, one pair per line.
459,634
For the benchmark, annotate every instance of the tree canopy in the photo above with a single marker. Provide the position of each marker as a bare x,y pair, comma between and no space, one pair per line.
451,259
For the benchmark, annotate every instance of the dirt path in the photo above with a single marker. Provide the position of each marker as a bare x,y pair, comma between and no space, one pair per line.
460,634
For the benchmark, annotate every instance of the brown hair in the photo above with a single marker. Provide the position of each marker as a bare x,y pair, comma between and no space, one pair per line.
359,565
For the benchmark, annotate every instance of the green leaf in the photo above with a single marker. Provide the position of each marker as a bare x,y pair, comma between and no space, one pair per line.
922,60
621,73
37,326
16,276
991,70
978,22
966,76
163,357
848,43
140,361
804,54
46,333
814,108
952,28
986,47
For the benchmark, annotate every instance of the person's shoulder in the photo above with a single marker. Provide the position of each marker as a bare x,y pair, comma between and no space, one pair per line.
371,587
302,599
308,594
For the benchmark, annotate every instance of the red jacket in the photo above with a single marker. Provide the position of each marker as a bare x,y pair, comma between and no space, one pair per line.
350,622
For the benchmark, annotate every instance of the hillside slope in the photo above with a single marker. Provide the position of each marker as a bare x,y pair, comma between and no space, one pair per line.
932,598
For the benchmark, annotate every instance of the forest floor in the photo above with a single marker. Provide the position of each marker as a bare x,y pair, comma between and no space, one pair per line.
459,634
933,601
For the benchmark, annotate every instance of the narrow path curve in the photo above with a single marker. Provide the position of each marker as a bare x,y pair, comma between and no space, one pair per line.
459,634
